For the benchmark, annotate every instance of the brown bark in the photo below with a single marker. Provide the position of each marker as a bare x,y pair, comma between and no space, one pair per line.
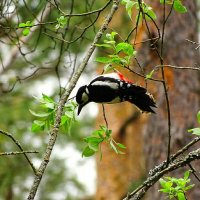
117,172
183,90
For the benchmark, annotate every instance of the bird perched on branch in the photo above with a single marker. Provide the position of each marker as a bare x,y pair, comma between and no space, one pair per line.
114,88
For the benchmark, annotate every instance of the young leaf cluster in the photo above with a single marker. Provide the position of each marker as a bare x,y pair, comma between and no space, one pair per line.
177,5
143,9
26,27
95,140
124,48
176,187
61,22
46,115
196,131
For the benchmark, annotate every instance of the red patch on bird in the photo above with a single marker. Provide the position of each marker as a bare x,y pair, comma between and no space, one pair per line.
123,78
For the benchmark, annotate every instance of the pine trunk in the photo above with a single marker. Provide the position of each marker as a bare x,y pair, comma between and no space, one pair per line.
146,136
182,88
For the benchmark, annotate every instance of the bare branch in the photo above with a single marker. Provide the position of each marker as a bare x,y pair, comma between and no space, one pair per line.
151,180
20,147
85,14
14,153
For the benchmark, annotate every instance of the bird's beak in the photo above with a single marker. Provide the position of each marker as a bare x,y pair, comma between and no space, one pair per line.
80,108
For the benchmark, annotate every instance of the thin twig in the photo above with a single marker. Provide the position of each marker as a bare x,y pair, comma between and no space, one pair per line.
104,116
197,43
193,171
20,147
151,180
13,153
177,67
164,83
87,13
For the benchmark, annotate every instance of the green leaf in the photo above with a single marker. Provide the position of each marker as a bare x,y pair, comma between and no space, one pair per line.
70,114
47,98
129,6
93,143
48,102
108,67
181,196
37,126
50,105
62,20
22,25
178,6
41,115
114,147
103,60
111,36
87,152
189,187
116,59
149,76
27,24
106,131
64,120
125,47
104,45
194,131
162,183
166,190
26,31
151,14
198,117
98,133
94,140
57,26
121,145
186,175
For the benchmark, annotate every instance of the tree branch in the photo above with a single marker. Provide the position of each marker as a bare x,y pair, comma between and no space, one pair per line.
14,153
54,131
84,14
20,147
160,170
151,180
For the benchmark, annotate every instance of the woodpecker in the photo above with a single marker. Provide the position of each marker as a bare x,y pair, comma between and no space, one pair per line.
114,88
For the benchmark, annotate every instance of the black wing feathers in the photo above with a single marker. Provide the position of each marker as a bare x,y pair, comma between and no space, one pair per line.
140,97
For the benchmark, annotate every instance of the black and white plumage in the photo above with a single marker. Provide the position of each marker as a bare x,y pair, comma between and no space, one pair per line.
114,88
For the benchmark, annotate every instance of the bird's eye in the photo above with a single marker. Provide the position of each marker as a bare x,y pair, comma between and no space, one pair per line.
81,95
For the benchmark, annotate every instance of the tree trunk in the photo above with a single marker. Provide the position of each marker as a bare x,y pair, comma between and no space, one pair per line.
182,88
116,173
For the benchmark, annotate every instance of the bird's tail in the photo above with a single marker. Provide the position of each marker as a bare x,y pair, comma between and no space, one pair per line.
143,100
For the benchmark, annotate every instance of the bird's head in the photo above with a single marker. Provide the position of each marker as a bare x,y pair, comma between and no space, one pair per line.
82,97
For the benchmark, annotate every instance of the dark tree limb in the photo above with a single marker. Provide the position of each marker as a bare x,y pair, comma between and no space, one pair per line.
164,168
